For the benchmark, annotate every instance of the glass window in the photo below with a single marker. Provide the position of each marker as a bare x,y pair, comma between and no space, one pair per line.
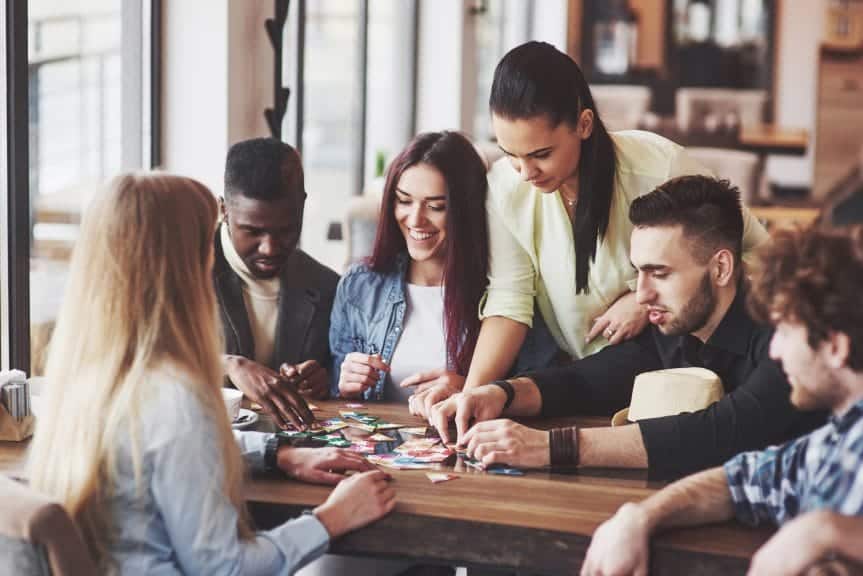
331,120
338,165
77,135
498,27
489,35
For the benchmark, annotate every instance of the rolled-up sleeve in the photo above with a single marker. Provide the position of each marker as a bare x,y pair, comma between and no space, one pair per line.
512,276
599,384
766,486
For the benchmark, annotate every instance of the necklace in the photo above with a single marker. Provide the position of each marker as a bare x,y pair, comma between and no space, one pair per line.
569,203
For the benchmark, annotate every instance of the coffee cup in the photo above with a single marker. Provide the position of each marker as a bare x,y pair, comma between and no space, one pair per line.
233,398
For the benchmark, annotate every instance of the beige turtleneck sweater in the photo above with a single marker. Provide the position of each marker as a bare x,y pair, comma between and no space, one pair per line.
261,298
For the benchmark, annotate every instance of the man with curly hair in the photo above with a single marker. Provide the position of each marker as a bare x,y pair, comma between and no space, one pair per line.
809,285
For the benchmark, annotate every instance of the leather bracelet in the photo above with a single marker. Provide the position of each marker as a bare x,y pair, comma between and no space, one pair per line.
507,387
563,446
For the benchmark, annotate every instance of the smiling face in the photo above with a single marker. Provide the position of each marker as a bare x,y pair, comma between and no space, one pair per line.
675,287
809,372
545,156
264,233
420,210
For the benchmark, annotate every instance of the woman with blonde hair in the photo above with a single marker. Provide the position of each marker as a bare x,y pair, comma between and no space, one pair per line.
134,438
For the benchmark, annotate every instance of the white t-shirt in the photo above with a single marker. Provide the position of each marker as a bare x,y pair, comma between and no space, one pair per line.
422,344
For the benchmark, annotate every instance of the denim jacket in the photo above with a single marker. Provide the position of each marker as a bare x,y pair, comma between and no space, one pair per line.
368,316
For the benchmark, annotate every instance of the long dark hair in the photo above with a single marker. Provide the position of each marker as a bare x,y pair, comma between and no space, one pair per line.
466,267
537,80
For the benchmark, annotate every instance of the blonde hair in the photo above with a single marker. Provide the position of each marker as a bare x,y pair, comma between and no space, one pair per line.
139,296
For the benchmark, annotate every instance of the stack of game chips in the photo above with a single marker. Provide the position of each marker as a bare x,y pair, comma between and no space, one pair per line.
15,394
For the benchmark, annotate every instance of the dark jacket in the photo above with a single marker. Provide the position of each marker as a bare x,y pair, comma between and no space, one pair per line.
305,301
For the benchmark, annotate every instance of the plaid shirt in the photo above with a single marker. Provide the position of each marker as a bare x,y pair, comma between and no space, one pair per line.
823,469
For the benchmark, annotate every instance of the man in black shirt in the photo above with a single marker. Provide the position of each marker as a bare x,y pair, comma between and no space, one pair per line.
686,245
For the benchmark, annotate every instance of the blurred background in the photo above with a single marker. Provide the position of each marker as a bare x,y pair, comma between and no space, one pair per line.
767,93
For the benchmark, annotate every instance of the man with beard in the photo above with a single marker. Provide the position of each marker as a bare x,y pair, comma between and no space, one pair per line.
807,284
686,245
274,299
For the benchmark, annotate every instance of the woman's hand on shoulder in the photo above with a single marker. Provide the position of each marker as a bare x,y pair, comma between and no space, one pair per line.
624,320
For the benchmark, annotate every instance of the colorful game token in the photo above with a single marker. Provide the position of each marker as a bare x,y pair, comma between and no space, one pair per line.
504,470
364,427
438,477
331,422
387,426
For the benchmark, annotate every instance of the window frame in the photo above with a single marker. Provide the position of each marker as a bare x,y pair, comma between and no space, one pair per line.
15,256
17,287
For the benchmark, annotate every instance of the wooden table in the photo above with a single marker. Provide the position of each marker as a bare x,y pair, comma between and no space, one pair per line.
540,523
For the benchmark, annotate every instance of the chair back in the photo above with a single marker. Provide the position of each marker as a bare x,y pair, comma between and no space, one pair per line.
37,536
743,169
621,106
718,108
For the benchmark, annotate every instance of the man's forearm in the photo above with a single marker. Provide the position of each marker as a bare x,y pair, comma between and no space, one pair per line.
611,447
702,498
527,400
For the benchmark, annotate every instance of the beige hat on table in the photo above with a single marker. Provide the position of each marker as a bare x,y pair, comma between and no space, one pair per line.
669,392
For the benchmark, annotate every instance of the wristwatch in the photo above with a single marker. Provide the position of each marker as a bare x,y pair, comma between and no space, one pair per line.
507,387
271,451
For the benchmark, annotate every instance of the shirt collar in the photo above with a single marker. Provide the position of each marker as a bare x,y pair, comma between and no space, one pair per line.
735,329
845,421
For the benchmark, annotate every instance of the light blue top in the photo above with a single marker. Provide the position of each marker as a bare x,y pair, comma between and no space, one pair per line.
179,520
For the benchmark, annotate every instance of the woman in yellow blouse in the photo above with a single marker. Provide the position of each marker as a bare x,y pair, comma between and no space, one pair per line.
557,212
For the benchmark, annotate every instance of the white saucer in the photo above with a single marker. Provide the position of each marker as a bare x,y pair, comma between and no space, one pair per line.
245,419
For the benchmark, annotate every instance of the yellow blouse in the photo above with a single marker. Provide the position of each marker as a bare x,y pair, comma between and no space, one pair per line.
533,250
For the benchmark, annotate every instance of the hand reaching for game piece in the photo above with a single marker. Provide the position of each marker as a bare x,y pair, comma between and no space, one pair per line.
507,442
277,396
431,387
474,405
309,377
359,373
